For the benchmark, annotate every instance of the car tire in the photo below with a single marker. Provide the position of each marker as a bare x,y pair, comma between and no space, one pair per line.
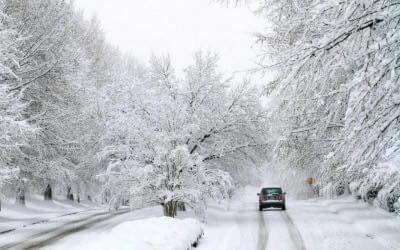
283,207
260,208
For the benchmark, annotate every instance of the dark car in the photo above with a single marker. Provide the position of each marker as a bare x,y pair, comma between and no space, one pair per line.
271,197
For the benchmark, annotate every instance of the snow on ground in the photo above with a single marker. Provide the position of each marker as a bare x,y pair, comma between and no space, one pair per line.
230,225
157,233
18,223
236,225
233,225
308,224
37,210
102,229
345,224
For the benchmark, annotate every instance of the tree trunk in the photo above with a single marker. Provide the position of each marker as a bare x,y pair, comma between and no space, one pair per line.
20,199
70,195
181,206
106,197
170,208
48,193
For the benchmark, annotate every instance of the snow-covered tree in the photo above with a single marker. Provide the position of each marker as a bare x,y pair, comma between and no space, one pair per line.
57,71
177,133
77,116
337,88
15,131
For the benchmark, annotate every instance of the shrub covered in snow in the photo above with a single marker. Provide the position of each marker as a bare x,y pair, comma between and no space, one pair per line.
380,186
334,189
397,206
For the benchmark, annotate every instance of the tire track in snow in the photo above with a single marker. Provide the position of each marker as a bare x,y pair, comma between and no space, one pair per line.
293,231
262,233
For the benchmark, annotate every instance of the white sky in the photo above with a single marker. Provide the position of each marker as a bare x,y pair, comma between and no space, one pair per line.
178,27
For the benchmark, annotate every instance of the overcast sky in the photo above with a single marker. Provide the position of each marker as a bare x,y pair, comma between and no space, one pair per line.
178,27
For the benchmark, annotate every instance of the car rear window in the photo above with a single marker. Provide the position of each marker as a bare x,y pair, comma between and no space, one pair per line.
267,191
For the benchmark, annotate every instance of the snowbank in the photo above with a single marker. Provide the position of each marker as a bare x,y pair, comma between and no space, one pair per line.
158,233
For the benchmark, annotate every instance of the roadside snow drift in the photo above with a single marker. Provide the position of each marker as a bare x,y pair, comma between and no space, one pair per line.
160,233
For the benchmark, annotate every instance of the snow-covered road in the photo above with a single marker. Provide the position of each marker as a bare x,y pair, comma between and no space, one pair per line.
70,230
238,225
241,226
39,235
313,225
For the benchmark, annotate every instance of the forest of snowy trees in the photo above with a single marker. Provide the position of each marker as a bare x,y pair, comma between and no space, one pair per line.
336,99
77,116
